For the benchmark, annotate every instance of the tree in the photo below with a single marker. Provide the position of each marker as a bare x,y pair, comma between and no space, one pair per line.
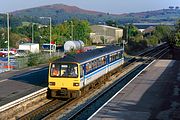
174,38
111,23
132,30
63,32
177,34
3,38
162,32
14,38
153,40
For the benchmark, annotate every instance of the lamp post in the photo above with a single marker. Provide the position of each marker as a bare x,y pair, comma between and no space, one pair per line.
8,40
50,26
33,32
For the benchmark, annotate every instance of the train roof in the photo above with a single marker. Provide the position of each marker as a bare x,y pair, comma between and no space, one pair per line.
82,57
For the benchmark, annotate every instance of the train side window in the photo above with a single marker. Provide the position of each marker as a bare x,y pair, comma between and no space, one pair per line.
117,56
103,61
114,57
100,64
110,58
90,66
87,67
94,64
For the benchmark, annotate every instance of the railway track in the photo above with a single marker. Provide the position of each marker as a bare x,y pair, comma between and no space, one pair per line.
92,106
44,110
57,107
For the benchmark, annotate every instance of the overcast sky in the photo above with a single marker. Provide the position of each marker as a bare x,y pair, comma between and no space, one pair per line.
111,6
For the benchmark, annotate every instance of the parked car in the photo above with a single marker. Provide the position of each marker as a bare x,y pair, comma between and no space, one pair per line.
12,51
3,54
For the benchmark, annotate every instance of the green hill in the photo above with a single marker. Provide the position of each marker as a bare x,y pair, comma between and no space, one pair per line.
61,13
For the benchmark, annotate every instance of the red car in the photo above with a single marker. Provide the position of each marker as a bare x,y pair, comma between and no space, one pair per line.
3,54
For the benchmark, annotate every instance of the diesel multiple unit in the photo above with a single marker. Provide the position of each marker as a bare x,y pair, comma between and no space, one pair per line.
69,75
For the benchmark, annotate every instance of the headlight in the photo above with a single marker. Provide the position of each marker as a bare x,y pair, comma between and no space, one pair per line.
75,84
52,83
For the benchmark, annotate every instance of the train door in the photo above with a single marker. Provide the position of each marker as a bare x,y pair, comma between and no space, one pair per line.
82,75
107,65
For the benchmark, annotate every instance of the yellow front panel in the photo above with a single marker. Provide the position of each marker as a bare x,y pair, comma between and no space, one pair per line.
61,82
64,83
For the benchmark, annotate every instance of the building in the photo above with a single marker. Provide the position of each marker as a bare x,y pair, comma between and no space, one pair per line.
149,31
105,34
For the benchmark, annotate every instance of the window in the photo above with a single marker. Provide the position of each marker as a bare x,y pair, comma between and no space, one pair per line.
55,70
64,70
114,56
103,61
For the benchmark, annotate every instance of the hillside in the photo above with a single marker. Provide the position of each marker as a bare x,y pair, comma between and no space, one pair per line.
57,8
61,12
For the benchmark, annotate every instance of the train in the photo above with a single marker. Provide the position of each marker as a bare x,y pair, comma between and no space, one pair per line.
68,76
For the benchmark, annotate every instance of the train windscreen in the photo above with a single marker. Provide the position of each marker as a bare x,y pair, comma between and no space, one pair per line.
69,70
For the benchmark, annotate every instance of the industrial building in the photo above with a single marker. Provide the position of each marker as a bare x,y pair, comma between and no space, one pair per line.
105,34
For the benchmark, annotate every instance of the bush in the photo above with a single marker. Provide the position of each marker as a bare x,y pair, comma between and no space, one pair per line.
33,59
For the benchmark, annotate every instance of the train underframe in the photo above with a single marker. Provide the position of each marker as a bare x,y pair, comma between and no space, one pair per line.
63,93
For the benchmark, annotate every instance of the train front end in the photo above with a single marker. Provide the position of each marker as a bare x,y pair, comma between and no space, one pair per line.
64,80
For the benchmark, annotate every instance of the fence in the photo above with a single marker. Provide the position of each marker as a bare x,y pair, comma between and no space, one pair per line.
30,60
36,59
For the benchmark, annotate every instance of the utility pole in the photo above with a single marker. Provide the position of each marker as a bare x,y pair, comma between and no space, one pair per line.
32,32
8,40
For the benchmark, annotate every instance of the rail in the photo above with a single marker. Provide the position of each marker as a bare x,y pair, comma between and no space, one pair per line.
87,109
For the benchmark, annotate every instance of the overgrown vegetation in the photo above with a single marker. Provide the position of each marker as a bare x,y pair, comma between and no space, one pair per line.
175,35
138,41
33,60
73,29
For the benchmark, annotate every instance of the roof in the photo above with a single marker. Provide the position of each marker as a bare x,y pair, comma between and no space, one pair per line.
29,44
108,27
82,57
149,29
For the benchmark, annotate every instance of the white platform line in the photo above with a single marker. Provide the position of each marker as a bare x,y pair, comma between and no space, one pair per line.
3,80
120,90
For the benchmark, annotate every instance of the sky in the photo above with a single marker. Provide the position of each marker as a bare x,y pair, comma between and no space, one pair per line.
107,6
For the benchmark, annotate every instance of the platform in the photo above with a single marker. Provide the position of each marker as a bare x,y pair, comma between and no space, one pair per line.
153,95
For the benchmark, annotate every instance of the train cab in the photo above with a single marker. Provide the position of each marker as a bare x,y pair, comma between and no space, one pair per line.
64,79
